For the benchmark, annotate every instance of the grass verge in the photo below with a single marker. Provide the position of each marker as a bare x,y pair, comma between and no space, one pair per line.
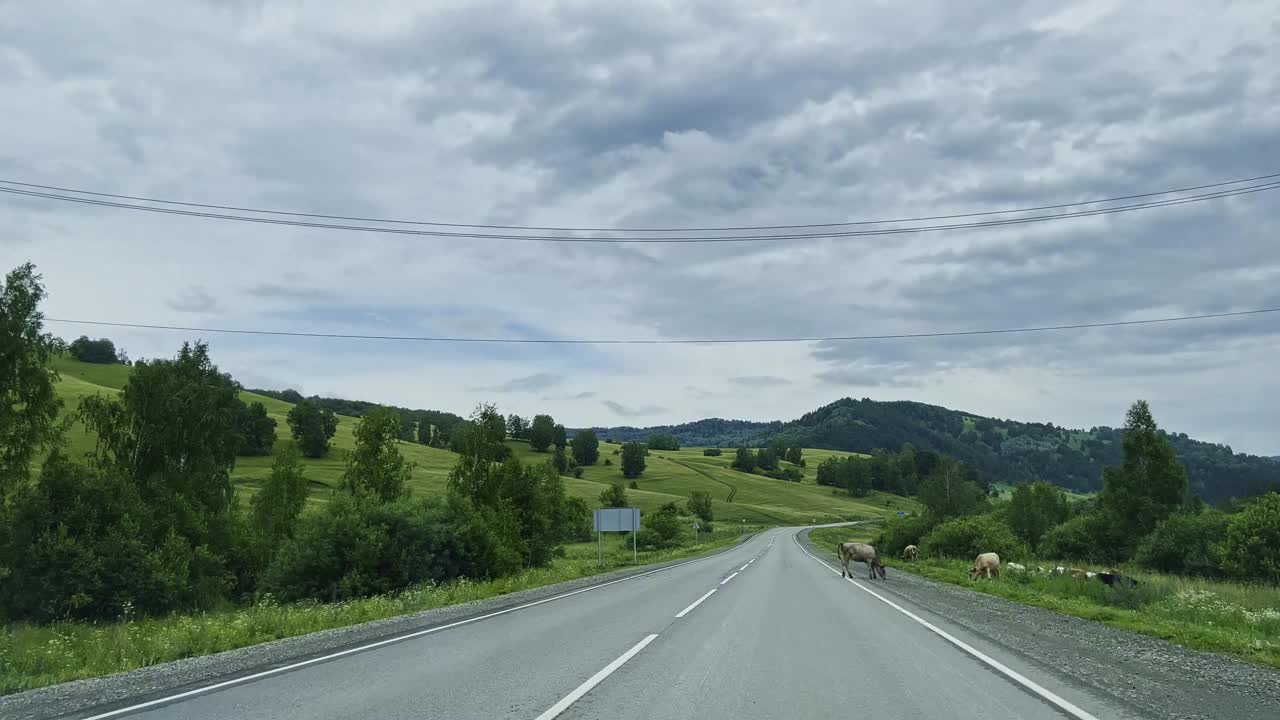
1235,619
36,656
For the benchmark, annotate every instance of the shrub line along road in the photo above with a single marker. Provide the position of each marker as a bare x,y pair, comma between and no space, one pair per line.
763,630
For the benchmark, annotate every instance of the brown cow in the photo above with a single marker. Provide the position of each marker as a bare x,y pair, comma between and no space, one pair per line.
910,552
987,564
859,552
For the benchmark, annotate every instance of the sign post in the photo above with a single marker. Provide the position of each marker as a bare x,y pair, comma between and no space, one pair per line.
616,520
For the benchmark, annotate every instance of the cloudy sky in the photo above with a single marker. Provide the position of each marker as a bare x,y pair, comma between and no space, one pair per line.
667,114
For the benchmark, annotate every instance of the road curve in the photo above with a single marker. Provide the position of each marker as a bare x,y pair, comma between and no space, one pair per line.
764,630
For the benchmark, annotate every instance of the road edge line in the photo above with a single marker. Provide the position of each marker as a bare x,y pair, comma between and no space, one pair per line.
386,641
1027,683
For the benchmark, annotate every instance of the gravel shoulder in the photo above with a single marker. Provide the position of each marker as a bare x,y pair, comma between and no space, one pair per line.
83,697
1156,677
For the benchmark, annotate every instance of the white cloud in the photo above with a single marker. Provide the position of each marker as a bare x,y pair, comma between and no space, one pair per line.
699,113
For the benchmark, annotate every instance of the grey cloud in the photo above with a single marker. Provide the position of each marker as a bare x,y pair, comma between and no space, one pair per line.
759,381
869,376
529,383
290,292
632,412
193,300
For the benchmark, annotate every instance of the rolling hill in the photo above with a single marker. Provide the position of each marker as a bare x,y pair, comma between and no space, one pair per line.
669,477
1003,451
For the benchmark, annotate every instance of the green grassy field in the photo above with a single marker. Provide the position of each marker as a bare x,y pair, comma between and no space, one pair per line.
670,476
1233,618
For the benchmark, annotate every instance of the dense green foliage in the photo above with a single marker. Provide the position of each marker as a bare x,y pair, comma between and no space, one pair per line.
517,427
967,537
542,431
1034,509
1252,546
614,496
1185,543
711,452
375,467
28,403
257,430
1149,484
278,505
559,438
660,530
101,351
699,505
663,441
744,460
633,459
586,447
312,427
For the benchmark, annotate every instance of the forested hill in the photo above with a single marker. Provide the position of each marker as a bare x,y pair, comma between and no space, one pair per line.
1003,450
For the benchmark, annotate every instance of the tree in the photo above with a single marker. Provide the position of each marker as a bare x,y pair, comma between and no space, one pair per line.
947,493
614,496
541,433
517,427
633,461
101,351
1036,507
795,455
481,438
408,428
172,432
1252,547
375,466
767,459
558,437
586,447
744,460
312,427
779,448
711,452
560,461
1186,543
663,441
278,504
29,404
257,430
699,505
1150,483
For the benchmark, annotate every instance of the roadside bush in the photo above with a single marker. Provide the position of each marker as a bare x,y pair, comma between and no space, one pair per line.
900,532
577,521
1084,537
711,452
356,547
1252,547
967,537
614,496
77,544
633,485
659,531
1184,544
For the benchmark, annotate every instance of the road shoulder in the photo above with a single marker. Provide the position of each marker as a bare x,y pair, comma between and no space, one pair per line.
1158,678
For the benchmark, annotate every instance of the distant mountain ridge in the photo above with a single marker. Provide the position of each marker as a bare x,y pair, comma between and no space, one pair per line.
1003,450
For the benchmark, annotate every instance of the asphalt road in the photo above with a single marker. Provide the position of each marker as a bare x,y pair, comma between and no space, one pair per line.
776,634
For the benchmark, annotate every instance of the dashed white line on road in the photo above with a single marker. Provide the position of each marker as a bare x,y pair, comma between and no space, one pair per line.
1062,703
744,567
695,604
595,680
729,578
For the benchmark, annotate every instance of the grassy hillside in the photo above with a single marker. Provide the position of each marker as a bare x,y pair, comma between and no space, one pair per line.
669,476
1003,451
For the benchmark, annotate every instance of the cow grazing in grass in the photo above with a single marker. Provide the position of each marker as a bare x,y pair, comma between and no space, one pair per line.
987,565
910,552
1016,567
859,552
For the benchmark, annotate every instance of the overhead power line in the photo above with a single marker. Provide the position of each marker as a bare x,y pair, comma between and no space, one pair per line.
671,341
731,228
1246,190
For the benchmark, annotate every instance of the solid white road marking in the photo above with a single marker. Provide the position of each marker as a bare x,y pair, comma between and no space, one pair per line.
729,578
991,662
695,604
370,646
594,680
